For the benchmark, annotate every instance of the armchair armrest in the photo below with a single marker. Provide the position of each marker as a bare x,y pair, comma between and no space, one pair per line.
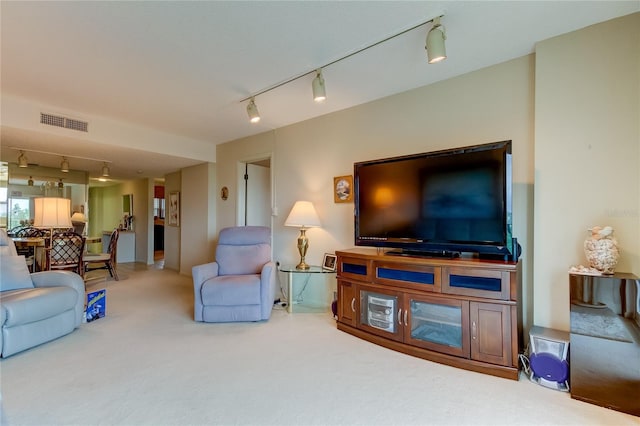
267,286
63,278
200,274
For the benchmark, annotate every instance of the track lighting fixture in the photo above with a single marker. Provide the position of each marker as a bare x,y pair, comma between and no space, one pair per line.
60,184
64,166
435,43
319,92
435,52
252,111
30,181
22,160
105,170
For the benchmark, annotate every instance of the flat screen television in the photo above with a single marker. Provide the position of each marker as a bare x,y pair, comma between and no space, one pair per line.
440,203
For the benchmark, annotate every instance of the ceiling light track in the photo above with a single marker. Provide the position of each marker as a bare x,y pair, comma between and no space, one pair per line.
23,150
318,82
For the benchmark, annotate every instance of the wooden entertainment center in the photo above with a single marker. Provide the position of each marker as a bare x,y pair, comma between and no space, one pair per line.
463,312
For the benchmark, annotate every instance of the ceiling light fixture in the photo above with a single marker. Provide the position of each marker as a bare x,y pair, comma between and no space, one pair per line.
64,166
252,111
436,51
22,160
438,33
105,170
319,91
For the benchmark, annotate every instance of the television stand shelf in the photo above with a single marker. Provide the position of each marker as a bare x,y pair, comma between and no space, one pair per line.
463,312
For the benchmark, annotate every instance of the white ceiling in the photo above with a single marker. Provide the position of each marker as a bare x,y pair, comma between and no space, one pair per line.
183,67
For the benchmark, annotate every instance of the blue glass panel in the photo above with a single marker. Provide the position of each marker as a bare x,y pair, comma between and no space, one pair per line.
476,283
354,269
410,276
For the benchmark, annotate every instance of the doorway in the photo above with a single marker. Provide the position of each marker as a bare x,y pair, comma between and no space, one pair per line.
158,223
254,193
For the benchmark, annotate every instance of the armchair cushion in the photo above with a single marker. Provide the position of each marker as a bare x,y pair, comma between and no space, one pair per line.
15,274
243,250
230,290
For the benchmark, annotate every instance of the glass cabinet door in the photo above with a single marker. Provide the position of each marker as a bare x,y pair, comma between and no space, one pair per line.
378,313
439,324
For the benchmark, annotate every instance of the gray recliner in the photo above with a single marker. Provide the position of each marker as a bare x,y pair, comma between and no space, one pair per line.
35,308
239,284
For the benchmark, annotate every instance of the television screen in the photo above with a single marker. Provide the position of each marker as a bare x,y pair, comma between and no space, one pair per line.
456,200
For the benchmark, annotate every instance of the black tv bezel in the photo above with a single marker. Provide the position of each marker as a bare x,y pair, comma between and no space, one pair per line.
412,246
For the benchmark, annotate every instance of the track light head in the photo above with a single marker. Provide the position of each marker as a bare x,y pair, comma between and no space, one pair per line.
30,181
319,91
105,170
64,166
436,51
252,111
22,160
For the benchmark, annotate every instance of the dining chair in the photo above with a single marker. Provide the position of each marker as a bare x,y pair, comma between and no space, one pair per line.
28,251
104,260
66,251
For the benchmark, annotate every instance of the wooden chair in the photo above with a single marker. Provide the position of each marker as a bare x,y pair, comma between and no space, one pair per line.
66,251
104,260
29,252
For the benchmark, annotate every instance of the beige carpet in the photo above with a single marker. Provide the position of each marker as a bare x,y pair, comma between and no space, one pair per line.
148,363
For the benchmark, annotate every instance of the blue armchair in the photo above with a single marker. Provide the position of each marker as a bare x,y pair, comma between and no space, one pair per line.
239,285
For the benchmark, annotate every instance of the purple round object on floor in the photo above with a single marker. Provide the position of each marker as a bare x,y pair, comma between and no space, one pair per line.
549,367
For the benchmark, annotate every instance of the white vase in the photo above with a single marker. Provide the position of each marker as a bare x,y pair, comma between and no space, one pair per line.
602,253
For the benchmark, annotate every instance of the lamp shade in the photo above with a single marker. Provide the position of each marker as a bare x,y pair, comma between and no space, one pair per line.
78,217
22,160
252,111
317,86
52,212
303,214
436,51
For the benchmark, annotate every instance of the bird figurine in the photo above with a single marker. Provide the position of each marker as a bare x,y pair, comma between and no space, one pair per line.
598,232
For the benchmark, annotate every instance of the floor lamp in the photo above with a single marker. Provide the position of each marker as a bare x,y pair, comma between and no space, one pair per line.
52,213
303,215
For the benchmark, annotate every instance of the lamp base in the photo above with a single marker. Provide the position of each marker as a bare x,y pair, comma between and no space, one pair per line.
302,266
303,245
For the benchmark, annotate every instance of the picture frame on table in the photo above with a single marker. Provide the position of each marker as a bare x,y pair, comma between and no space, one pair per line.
174,208
343,189
329,262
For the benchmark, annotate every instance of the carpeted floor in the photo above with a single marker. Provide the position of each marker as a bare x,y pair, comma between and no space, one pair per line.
148,363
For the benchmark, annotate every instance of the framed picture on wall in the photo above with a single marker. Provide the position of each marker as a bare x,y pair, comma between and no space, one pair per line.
343,189
174,208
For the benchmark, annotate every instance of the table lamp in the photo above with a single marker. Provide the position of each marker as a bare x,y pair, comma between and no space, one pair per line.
79,221
303,215
52,212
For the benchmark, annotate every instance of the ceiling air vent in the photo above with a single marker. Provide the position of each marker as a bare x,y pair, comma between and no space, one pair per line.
64,122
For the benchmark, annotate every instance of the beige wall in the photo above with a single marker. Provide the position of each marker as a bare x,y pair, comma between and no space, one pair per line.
197,216
489,105
587,154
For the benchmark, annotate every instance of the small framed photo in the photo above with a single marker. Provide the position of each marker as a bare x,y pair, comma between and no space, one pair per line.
329,262
343,189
